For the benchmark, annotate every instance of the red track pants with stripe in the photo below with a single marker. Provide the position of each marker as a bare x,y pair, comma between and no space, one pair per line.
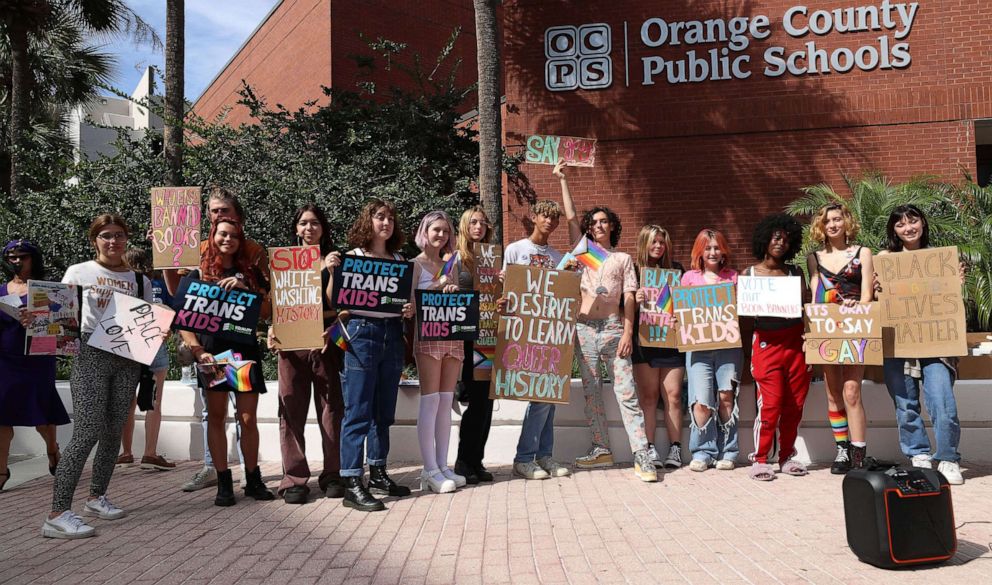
781,380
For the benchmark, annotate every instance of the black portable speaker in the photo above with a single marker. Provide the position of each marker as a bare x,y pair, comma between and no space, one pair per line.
899,517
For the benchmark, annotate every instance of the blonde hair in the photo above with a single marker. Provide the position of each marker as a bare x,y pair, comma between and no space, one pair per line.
644,240
465,246
851,225
547,208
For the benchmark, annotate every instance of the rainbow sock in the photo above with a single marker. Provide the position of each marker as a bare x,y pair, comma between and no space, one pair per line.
838,422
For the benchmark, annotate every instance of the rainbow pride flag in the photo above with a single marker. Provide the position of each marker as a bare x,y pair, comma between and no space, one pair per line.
448,267
338,335
238,377
665,301
483,357
824,291
589,253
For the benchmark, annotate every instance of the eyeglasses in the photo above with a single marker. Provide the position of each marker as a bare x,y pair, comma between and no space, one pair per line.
113,237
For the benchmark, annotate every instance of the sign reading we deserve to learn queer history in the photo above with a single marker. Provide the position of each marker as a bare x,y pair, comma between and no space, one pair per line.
770,296
839,335
535,341
176,217
655,325
132,328
54,327
707,317
445,316
548,150
921,300
204,307
488,264
297,298
372,284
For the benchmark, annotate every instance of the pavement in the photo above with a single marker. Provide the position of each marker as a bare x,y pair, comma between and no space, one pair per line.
600,526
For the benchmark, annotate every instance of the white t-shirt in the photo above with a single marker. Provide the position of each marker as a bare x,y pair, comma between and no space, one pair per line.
99,285
526,253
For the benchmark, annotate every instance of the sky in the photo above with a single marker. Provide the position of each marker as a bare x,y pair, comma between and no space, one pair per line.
215,30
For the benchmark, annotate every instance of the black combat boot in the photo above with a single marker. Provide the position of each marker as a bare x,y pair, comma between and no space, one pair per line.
359,498
225,489
380,483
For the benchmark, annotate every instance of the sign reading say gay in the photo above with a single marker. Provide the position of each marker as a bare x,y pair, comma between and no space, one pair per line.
656,318
707,317
176,220
488,264
372,284
535,341
839,335
204,307
548,150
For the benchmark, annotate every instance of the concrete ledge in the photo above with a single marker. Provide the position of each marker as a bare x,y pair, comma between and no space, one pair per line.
181,436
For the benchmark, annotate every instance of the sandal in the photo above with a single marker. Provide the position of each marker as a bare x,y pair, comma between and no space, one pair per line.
53,460
762,472
4,477
794,468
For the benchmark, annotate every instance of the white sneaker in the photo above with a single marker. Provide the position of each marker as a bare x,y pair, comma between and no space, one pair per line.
529,470
553,468
66,525
923,461
699,464
725,464
434,481
204,478
951,471
459,480
102,508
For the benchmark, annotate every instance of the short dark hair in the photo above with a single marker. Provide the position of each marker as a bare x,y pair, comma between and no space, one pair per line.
893,243
610,215
768,226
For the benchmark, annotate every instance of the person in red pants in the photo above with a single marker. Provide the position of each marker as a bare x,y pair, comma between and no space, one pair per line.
778,363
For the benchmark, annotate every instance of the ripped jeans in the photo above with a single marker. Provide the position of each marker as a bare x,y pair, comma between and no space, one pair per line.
711,372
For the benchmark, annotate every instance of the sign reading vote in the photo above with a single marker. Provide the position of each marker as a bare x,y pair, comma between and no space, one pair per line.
656,318
204,307
535,341
488,264
176,217
770,296
839,335
372,284
707,317
297,300
132,328
921,300
445,316
548,150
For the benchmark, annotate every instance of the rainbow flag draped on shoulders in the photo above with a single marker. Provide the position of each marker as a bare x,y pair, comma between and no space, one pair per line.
589,253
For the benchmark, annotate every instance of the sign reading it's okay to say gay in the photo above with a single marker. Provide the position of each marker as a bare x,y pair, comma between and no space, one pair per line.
372,284
534,343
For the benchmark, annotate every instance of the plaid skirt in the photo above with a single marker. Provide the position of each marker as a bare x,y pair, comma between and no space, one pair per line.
440,349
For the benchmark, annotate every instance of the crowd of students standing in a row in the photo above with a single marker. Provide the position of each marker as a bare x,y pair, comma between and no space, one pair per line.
355,391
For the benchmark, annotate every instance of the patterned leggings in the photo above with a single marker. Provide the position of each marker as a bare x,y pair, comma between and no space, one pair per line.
103,385
598,340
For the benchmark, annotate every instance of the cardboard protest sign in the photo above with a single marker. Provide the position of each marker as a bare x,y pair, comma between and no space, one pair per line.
445,316
176,217
921,300
132,328
372,284
55,319
707,317
488,264
839,335
204,307
770,296
657,312
297,298
548,150
535,341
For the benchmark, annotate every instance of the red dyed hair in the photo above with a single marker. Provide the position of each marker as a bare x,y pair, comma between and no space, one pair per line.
211,264
699,247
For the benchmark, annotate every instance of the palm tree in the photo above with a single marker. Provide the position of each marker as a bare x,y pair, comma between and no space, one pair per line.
490,121
175,41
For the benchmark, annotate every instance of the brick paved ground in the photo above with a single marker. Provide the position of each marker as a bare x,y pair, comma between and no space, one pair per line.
595,527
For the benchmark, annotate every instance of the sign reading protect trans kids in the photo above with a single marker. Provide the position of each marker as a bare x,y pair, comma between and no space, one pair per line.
582,57
372,284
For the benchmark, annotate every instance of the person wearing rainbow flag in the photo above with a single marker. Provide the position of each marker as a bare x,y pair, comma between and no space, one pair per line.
605,332
836,276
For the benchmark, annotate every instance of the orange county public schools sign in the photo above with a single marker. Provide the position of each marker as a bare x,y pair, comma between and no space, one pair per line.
581,57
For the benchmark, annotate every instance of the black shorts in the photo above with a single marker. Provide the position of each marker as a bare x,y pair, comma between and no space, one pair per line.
658,357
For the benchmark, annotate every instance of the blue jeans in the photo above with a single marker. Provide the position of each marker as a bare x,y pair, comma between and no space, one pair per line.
369,384
938,392
537,434
208,459
710,372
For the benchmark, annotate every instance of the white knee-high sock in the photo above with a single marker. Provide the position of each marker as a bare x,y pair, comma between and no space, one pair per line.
442,432
426,421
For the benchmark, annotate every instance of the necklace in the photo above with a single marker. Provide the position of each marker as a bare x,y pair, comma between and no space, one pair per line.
602,290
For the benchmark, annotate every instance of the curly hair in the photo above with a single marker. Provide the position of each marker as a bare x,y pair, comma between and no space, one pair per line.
465,246
421,239
893,243
644,240
360,235
611,216
699,248
212,262
326,246
851,225
139,260
768,226
547,208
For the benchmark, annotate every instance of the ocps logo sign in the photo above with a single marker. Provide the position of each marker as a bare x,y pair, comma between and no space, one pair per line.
578,57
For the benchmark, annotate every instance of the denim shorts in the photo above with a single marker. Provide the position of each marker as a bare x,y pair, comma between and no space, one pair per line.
161,361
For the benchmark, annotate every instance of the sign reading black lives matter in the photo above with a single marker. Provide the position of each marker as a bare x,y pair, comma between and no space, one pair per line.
372,284
445,316
535,341
204,307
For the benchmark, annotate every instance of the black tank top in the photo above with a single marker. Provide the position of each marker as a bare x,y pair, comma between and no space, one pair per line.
847,280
